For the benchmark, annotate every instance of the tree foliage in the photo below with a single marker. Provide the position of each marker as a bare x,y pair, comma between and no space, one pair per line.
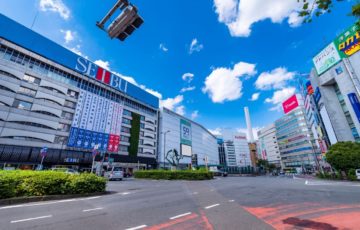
319,7
344,156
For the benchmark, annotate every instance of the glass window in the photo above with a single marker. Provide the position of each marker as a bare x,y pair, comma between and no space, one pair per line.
31,79
27,91
67,115
22,104
125,129
126,121
124,138
63,127
142,125
140,150
123,148
127,112
70,104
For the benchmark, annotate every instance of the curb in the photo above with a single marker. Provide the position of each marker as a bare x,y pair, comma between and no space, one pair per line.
21,200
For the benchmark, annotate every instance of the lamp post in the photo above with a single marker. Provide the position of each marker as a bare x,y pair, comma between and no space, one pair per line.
168,131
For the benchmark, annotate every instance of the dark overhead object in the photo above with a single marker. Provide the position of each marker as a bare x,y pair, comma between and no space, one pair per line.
125,23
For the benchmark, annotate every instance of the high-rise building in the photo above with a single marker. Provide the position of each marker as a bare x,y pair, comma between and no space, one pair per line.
295,138
236,149
268,148
195,144
336,82
51,97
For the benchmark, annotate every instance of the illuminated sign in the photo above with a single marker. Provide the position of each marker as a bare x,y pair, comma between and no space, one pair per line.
290,104
185,132
348,42
327,58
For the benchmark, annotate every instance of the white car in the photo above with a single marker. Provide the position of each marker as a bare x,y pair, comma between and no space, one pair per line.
114,173
357,173
65,170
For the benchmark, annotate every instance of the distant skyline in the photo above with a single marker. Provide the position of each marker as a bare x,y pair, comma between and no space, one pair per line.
205,60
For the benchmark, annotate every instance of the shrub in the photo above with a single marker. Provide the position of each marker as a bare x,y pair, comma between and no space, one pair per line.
352,175
40,183
174,175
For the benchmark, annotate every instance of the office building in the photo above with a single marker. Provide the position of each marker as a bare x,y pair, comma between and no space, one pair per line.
195,145
236,149
51,97
335,80
295,139
268,148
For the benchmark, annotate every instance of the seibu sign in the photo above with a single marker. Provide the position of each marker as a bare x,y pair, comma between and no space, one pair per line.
91,70
290,104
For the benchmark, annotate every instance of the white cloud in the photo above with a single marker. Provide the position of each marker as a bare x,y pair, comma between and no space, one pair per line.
103,64
174,104
69,35
106,65
240,15
188,77
194,115
276,79
186,89
216,131
279,97
223,84
163,47
180,110
255,96
55,6
195,46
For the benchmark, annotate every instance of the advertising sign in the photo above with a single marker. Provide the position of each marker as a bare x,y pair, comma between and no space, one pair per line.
327,58
290,104
317,95
185,132
348,42
355,104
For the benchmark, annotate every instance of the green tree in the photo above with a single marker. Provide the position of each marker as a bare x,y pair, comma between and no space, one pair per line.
319,7
344,156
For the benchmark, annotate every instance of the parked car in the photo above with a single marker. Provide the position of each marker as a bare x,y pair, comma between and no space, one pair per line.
220,173
114,173
65,170
357,172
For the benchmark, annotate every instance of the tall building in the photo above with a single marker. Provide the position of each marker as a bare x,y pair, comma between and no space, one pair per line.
190,139
268,147
221,149
51,97
236,149
336,82
295,139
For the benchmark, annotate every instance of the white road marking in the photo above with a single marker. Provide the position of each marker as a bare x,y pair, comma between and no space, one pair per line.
47,203
195,193
92,209
211,206
138,227
123,193
306,182
319,183
231,200
29,219
181,215
211,190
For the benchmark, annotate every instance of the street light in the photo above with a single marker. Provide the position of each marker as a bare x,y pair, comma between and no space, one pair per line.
168,131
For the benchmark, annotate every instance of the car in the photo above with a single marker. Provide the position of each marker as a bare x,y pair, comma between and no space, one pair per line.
357,173
114,173
220,173
65,170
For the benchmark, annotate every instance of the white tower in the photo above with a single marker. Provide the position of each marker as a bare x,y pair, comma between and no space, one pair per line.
248,124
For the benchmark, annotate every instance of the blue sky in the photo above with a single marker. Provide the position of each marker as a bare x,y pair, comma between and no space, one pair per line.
205,58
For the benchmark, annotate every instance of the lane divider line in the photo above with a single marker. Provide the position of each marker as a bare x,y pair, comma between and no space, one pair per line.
92,209
231,201
195,193
211,206
181,215
29,219
137,227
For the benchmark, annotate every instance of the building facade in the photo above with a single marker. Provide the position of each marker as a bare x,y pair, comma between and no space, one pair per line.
52,98
336,82
195,145
268,148
236,149
295,140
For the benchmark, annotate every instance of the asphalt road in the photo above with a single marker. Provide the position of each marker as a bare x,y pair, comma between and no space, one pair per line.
224,203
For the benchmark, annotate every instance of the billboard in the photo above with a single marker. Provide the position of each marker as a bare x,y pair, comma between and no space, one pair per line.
355,104
97,120
327,58
290,104
185,132
348,42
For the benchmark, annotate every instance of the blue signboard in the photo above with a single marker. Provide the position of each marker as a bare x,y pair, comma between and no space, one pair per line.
28,39
355,104
317,95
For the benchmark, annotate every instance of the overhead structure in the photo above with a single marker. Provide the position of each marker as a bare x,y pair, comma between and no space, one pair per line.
124,24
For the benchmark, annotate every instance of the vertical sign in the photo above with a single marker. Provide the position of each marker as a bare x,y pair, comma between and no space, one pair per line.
290,104
185,132
355,104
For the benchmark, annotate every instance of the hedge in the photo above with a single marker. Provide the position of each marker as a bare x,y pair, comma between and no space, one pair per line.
174,175
39,183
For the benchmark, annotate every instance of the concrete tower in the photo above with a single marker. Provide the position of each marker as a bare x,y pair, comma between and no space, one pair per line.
248,124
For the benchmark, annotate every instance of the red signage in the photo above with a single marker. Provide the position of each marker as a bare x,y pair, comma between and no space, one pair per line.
240,137
113,145
290,104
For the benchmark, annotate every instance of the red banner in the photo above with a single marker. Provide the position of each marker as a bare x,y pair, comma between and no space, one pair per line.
113,145
290,104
